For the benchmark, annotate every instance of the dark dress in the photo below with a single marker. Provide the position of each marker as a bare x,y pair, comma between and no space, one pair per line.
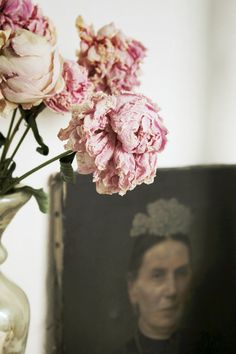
183,342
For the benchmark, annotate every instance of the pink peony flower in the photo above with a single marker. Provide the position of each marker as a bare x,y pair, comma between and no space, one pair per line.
16,14
117,138
30,68
75,91
112,59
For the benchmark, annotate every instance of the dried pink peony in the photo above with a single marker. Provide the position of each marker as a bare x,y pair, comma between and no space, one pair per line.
117,138
16,14
112,59
75,91
30,68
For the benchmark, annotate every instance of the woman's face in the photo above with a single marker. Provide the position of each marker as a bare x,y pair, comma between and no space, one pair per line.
161,287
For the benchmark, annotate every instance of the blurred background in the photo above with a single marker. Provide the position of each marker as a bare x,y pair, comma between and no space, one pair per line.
189,72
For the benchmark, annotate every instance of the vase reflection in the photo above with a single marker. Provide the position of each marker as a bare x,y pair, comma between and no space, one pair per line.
14,305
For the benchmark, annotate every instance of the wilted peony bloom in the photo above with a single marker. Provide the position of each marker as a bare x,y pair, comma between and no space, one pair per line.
30,69
76,88
6,107
17,14
117,138
112,59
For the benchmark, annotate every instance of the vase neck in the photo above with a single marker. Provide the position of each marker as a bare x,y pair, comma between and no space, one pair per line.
9,205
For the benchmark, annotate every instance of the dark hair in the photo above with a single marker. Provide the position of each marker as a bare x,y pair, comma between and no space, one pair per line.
143,243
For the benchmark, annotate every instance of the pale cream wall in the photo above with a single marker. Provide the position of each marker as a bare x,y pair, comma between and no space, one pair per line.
221,118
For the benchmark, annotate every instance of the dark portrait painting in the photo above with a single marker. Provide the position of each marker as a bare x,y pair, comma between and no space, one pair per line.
150,272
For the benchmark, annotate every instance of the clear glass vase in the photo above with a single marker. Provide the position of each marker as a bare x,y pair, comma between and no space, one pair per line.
14,305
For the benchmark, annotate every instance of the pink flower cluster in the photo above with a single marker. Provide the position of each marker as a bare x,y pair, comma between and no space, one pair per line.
115,133
16,14
116,138
31,70
112,59
75,91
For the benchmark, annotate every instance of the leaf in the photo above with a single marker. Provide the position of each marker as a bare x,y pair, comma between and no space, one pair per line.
66,168
40,196
2,139
30,117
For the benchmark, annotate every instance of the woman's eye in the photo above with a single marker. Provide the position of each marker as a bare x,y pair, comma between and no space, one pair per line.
182,271
159,273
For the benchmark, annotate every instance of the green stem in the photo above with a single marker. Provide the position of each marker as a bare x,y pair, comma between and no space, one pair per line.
27,114
19,179
20,142
43,165
15,129
12,122
6,146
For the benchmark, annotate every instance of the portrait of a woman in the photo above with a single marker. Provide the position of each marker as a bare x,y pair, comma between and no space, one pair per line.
159,281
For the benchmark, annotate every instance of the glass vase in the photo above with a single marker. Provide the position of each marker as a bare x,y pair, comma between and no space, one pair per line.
14,305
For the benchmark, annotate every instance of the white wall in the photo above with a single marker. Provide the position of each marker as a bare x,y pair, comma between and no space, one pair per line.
189,72
220,145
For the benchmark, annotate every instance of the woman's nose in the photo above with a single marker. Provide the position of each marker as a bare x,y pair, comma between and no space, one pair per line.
170,289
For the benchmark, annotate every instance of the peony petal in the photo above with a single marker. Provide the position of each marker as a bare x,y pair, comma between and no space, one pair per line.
56,83
11,6
28,43
96,143
6,67
32,67
85,163
93,55
103,159
108,31
22,90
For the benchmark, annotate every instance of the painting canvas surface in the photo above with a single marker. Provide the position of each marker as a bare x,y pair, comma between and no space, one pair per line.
96,316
